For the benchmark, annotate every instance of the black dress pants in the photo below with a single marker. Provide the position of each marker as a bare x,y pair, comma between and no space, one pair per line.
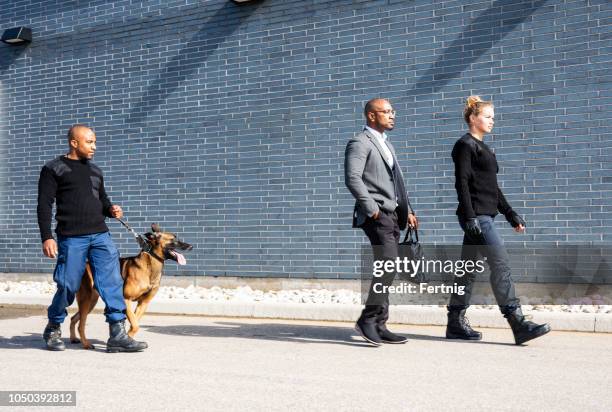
384,236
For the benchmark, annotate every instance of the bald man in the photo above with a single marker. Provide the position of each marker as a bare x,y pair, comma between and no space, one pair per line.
382,208
76,185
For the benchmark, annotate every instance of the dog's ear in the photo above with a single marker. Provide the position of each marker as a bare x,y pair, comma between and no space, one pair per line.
155,228
148,235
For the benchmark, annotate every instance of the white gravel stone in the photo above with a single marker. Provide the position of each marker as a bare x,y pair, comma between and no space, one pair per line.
594,304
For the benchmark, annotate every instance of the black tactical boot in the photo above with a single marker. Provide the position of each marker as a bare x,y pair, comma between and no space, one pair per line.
458,326
119,341
53,336
523,329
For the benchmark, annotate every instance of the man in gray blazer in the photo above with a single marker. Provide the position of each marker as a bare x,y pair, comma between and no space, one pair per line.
382,208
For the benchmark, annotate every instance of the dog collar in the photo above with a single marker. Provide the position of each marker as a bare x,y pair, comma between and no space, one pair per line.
150,252
147,248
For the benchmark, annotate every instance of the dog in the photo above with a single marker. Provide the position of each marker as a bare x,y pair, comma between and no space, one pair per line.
141,278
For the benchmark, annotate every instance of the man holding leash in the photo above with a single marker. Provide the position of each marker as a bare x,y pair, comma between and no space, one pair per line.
382,209
76,186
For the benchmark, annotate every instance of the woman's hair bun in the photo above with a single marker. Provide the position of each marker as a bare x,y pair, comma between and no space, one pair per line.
472,100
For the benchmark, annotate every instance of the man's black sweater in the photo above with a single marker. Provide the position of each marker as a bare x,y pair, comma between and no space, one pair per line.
77,186
476,179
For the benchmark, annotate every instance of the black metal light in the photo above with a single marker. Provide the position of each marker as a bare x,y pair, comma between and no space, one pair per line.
17,36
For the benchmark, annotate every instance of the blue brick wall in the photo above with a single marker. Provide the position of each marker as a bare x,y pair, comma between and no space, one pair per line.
227,124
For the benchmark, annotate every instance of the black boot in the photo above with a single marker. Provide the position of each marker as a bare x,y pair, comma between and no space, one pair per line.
524,330
389,337
368,331
53,336
119,341
458,326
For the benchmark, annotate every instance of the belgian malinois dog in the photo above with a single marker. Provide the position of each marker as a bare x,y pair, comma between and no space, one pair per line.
141,277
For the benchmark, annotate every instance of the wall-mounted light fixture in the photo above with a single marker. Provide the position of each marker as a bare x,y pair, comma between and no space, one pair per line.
17,36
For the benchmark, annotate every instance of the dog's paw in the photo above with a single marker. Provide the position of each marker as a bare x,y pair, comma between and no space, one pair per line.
75,340
89,346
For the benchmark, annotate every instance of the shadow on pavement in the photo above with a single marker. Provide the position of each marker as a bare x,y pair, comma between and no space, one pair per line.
35,341
443,339
266,331
287,332
30,341
335,335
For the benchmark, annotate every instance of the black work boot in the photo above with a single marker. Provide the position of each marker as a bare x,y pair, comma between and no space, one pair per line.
458,326
524,330
53,336
119,341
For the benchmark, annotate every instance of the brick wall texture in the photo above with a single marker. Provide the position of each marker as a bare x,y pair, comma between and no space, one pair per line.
227,123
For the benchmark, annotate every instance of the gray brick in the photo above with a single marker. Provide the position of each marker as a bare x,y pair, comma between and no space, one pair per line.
232,133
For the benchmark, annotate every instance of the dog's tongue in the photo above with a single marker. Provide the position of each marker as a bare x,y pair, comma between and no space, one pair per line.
180,259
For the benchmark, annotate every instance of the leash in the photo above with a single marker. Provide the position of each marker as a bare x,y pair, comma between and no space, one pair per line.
143,243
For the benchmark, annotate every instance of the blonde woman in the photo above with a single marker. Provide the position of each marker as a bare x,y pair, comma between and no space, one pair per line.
480,200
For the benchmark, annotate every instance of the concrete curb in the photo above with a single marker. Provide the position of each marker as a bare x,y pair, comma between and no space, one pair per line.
410,315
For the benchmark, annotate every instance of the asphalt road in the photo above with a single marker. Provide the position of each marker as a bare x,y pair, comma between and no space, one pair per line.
201,363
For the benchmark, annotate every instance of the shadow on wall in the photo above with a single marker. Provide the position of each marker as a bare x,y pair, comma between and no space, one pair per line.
8,55
217,28
495,22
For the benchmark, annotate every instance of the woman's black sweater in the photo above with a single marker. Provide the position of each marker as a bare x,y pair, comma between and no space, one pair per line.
476,179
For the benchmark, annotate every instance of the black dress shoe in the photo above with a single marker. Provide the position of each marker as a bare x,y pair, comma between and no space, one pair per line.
53,337
389,337
368,332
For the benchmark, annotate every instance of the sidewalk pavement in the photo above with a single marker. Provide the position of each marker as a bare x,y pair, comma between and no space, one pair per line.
237,364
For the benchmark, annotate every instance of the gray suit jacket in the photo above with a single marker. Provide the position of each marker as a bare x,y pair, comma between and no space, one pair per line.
369,177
